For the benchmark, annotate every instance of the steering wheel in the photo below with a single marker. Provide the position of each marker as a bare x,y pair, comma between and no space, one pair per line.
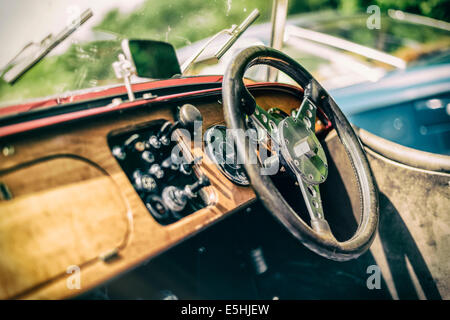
300,149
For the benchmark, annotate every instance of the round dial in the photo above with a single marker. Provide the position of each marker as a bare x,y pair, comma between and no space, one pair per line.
223,152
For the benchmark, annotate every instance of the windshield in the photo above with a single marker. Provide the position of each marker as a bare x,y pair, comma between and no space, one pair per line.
398,44
84,61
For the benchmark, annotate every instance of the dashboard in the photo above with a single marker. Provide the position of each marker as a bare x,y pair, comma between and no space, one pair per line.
96,194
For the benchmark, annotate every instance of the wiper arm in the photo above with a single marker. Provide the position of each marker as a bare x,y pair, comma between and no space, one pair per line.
235,32
19,65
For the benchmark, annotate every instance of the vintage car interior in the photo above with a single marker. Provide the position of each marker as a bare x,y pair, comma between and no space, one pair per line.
94,184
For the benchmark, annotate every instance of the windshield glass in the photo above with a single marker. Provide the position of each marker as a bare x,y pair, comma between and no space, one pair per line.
406,40
398,44
84,60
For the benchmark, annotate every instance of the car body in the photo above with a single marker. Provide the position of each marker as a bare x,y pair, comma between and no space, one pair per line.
409,107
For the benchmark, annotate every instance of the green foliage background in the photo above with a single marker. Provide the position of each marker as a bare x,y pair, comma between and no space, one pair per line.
179,22
183,22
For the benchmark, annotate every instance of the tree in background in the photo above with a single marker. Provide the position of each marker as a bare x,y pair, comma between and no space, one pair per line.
438,9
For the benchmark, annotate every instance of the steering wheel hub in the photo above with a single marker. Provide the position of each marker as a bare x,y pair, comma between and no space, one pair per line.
302,151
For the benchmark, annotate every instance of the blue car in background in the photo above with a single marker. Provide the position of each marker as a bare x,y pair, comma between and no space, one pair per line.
393,81
410,107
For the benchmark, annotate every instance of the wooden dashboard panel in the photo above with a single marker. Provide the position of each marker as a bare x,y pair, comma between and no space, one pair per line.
81,177
54,216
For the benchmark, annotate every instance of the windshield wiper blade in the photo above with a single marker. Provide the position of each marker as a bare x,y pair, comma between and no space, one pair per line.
19,65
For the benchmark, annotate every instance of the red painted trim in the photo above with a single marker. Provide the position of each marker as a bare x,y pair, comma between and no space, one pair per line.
44,122
107,92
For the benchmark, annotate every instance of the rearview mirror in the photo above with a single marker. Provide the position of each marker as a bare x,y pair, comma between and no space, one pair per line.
152,59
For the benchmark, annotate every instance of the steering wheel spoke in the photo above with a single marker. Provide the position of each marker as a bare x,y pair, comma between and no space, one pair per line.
313,201
307,113
266,121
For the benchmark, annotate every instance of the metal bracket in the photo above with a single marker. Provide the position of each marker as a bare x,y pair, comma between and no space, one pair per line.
279,13
124,69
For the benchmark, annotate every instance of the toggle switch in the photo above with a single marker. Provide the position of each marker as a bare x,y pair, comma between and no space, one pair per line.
176,199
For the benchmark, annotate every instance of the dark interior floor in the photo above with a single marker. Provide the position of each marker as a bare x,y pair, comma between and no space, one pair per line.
217,264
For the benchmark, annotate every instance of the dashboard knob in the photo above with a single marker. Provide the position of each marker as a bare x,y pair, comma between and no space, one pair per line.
154,142
144,182
157,207
188,115
174,198
148,157
148,183
119,153
165,132
157,171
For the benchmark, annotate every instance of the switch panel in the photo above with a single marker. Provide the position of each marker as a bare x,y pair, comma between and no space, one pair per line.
164,177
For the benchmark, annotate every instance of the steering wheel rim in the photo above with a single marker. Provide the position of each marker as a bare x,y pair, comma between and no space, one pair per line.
238,102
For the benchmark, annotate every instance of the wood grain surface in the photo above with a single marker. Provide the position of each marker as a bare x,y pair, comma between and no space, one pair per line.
72,203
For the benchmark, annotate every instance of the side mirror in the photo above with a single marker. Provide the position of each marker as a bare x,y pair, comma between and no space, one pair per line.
152,59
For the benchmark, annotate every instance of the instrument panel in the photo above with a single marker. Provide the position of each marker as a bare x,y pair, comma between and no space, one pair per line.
221,149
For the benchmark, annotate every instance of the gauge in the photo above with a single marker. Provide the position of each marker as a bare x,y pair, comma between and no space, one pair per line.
223,152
